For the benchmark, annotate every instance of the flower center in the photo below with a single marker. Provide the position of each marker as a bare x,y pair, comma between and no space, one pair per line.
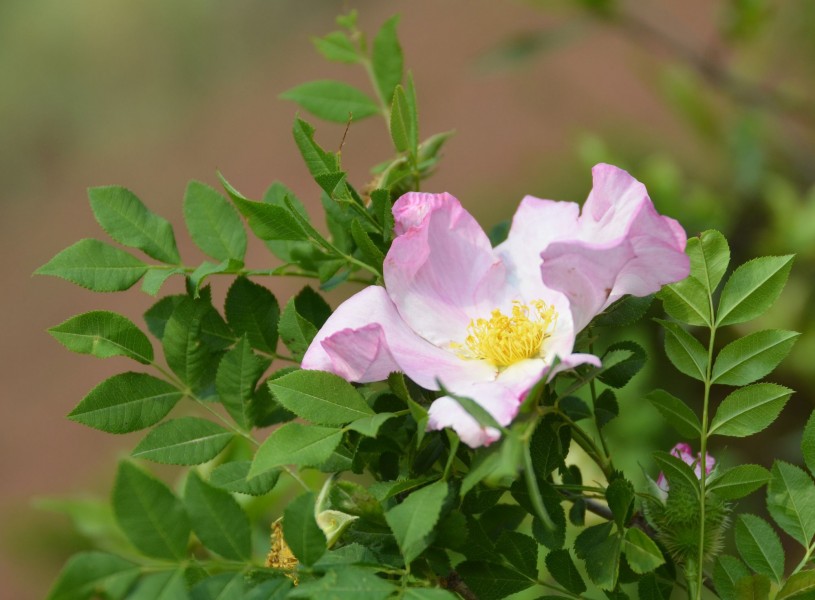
506,339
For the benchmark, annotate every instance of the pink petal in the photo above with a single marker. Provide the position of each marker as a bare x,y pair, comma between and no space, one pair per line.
441,271
366,339
622,246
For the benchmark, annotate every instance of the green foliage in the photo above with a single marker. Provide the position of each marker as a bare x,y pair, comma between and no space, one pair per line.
295,444
91,573
332,100
413,520
492,581
677,413
752,357
213,224
791,501
739,481
752,289
95,265
641,552
238,374
301,532
322,398
759,546
749,410
234,477
387,59
184,441
217,519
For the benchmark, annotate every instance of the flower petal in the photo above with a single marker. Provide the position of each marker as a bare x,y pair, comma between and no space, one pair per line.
622,246
441,271
366,339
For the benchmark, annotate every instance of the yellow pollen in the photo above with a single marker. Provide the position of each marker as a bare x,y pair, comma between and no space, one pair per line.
504,340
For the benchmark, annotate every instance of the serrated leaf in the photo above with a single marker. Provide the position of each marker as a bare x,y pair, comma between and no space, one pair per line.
253,311
87,574
96,266
621,361
320,397
369,426
155,278
126,402
752,289
213,223
727,572
491,581
739,481
223,586
676,471
520,551
318,161
195,280
753,587
303,535
333,101
684,351
217,519
563,570
127,220
150,515
799,586
103,334
626,311
371,254
791,501
677,413
709,256
234,477
641,552
387,60
649,588
606,408
184,441
414,519
620,499
749,410
687,301
752,357
270,222
403,127
295,444
235,381
600,550
337,46
169,585
808,443
345,583
759,546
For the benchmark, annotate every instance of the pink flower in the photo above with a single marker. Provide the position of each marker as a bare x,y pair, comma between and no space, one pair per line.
488,322
684,453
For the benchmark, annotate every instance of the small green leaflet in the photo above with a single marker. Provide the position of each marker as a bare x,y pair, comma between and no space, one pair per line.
799,586
338,47
561,567
213,224
217,519
333,101
726,573
322,398
88,573
759,546
234,477
492,581
169,585
749,410
641,552
752,289
414,519
235,381
96,266
318,161
752,357
687,301
103,334
684,351
295,444
127,220
303,535
270,222
126,402
346,583
184,441
677,413
709,256
791,501
252,310
520,551
387,59
739,481
150,515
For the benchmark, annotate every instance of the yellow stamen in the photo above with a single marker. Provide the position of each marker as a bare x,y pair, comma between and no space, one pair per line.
504,340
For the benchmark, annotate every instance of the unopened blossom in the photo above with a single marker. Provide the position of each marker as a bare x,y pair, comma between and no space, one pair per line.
684,452
488,323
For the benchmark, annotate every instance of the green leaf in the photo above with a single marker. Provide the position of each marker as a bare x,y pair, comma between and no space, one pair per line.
676,471
403,126
753,587
520,551
234,477
252,310
184,441
126,402
752,288
677,413
295,444
709,256
687,301
150,515
563,570
600,550
223,586
303,535
333,101
491,581
270,222
96,266
684,351
649,588
413,520
727,572
752,357
212,222
235,381
318,161
89,574
320,397
217,519
169,585
641,552
791,501
620,499
546,449
739,481
759,546
346,583
749,410
301,318
428,594
155,278
387,60
626,311
799,586
808,443
205,269
621,361
103,334
128,221
606,408
338,47
369,426
370,252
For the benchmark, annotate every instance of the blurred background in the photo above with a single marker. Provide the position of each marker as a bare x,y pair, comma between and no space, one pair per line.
710,103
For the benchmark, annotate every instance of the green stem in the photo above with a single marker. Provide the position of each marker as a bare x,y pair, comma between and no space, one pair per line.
703,457
805,560
590,447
